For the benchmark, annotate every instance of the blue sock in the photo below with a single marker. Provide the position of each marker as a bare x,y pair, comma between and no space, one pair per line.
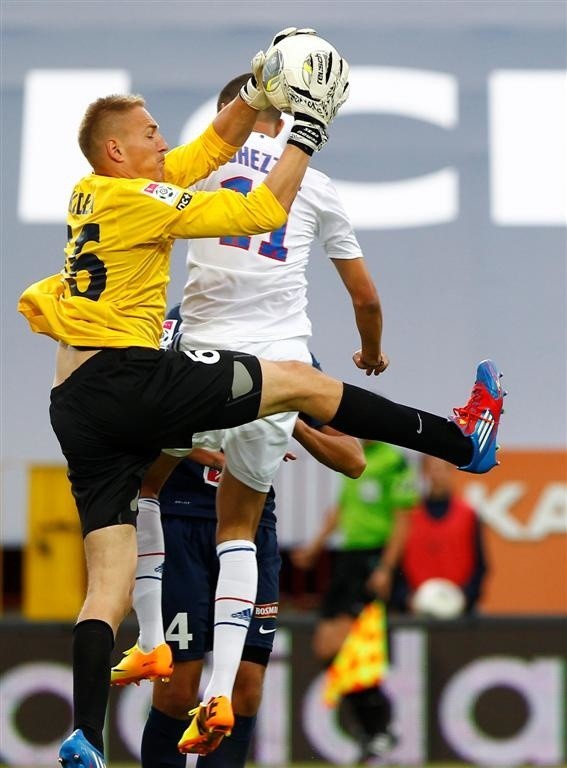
232,751
159,741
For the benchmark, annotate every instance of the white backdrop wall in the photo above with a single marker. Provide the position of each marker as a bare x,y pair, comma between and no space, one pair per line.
450,157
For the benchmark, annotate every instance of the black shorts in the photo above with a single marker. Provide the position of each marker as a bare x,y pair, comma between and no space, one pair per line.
115,413
347,593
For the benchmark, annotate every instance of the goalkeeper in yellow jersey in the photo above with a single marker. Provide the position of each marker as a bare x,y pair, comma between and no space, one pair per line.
117,399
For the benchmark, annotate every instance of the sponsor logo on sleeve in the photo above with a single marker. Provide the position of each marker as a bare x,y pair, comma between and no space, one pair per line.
164,192
266,611
184,201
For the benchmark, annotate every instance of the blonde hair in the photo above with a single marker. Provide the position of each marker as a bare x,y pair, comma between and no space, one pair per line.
97,117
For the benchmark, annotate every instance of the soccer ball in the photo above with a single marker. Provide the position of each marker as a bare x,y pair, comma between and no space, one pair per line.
438,598
297,62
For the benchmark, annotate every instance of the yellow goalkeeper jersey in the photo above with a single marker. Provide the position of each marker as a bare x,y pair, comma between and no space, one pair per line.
112,290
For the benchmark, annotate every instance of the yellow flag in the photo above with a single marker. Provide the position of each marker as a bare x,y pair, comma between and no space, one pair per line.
362,660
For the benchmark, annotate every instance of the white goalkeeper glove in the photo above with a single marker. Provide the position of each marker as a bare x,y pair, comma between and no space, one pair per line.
315,108
252,92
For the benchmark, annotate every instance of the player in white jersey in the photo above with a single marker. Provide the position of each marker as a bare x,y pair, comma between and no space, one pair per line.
250,293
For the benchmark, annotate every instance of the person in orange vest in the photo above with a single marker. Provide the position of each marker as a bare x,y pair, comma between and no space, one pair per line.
444,539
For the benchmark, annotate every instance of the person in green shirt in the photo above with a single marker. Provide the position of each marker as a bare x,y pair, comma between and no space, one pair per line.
370,519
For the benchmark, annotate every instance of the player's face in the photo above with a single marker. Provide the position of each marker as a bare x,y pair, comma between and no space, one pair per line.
142,145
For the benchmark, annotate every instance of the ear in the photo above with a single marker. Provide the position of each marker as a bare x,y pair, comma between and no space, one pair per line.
114,151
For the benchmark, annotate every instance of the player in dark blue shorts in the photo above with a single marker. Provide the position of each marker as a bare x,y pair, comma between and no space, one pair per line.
187,502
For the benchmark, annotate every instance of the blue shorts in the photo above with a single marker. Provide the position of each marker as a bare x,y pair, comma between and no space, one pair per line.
189,583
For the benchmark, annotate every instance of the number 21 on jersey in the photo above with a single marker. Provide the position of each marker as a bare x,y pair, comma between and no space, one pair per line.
274,247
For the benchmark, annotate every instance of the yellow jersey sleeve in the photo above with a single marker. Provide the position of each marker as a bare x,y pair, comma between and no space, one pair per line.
188,163
159,211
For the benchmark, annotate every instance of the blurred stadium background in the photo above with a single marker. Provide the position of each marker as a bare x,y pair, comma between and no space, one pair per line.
451,158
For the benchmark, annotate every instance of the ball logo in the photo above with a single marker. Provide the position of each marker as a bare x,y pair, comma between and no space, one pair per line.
162,192
320,62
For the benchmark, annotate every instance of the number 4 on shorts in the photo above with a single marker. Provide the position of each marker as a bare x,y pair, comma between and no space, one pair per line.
178,632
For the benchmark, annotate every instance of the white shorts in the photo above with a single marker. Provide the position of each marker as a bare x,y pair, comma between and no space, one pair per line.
254,451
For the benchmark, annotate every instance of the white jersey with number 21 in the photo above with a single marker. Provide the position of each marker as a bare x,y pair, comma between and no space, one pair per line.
242,289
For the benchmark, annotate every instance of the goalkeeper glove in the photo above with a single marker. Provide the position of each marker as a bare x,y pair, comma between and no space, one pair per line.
313,115
308,134
252,92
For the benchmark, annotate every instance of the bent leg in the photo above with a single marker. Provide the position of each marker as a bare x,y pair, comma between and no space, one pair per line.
239,509
291,386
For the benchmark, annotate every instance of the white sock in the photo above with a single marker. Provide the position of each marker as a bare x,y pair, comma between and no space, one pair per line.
147,589
234,605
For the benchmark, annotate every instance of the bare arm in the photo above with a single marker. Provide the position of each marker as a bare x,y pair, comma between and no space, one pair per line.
235,122
367,312
287,174
334,449
380,580
157,474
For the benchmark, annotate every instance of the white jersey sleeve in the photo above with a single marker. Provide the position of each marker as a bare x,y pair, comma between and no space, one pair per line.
334,228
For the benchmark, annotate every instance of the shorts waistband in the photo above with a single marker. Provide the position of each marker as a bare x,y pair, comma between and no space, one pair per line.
106,357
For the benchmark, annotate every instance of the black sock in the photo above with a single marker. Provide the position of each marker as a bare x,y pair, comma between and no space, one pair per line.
233,749
159,741
373,417
93,641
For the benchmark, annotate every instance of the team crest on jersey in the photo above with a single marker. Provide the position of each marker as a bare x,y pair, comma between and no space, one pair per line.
163,192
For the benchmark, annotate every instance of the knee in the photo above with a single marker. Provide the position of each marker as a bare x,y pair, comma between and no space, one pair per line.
296,368
173,699
177,697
